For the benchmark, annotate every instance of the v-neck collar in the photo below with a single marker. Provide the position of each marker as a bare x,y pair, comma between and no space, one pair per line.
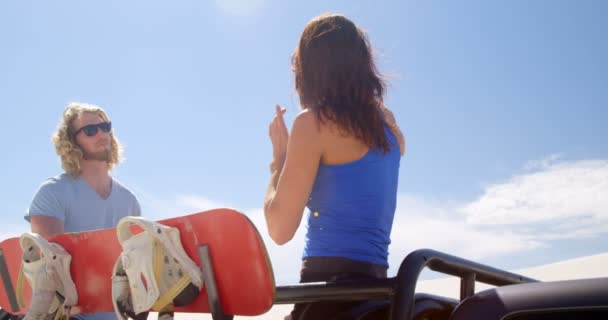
90,188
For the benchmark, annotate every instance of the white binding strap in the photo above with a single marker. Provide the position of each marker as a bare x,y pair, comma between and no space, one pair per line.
142,261
136,260
55,259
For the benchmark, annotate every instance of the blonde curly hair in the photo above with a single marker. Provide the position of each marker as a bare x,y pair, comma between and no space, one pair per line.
65,145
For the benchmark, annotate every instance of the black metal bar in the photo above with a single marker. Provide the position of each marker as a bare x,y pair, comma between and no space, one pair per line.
416,261
8,284
448,264
315,292
210,285
467,286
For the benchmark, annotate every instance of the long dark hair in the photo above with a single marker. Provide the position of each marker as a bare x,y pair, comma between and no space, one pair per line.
336,78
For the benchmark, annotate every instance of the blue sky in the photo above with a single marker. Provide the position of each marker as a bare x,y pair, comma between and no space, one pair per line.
504,106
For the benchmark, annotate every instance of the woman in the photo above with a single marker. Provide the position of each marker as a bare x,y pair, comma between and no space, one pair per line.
341,161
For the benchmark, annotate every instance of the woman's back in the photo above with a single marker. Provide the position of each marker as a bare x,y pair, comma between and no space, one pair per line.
353,199
338,147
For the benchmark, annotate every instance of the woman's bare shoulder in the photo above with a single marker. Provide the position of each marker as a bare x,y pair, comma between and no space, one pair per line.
307,122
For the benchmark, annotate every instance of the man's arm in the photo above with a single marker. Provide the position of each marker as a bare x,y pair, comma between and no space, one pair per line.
46,225
46,213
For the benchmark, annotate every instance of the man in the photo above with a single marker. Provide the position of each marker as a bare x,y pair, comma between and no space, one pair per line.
85,196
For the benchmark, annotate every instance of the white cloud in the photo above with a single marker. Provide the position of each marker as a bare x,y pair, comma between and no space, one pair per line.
553,201
196,203
158,207
543,163
569,199
421,223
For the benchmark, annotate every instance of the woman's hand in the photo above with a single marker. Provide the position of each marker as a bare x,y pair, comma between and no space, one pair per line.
278,136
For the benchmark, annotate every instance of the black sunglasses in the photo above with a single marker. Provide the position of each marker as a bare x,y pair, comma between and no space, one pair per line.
91,129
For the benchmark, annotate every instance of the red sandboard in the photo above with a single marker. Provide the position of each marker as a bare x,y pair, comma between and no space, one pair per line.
243,273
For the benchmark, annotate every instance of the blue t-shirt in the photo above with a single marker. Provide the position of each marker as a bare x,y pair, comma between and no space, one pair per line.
72,200
352,207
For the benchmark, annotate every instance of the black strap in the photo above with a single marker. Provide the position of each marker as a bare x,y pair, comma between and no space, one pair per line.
8,285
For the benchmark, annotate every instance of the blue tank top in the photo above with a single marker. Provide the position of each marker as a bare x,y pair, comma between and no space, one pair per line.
352,205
